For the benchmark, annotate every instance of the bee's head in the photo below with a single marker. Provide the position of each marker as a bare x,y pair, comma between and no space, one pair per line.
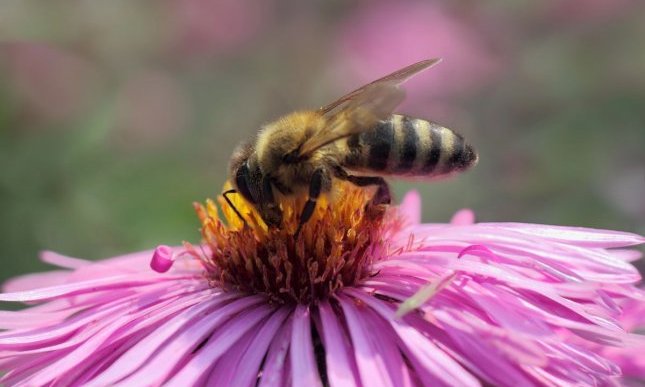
249,181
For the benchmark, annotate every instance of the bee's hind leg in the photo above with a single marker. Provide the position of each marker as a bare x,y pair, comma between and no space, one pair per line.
382,195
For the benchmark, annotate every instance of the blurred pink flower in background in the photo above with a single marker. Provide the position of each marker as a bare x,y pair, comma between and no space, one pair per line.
503,304
151,109
52,84
380,37
594,11
205,27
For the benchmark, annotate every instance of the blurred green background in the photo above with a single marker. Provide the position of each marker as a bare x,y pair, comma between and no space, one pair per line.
115,116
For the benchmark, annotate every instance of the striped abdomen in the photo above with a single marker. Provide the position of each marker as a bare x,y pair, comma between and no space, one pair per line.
406,146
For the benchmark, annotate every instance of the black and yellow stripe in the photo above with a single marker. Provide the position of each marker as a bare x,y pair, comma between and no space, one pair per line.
407,146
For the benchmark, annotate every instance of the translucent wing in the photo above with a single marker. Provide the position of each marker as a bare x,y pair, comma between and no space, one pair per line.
362,108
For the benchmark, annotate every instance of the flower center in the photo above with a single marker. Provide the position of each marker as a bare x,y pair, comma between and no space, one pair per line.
336,247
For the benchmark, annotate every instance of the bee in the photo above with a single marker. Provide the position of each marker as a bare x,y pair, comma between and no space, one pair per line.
356,138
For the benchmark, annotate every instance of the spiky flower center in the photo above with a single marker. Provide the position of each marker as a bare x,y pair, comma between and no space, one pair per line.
336,248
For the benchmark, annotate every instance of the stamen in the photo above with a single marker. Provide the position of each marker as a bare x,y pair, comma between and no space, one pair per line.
334,249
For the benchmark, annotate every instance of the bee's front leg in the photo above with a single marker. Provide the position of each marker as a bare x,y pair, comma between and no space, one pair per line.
319,181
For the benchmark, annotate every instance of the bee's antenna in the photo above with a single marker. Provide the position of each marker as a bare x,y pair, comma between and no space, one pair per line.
230,203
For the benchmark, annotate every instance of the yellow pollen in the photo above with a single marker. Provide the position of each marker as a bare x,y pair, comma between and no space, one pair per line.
335,248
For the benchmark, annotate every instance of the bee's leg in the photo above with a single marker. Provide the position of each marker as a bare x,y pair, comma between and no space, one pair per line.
230,203
382,195
318,179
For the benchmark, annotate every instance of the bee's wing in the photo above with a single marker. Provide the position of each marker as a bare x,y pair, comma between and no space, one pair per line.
362,108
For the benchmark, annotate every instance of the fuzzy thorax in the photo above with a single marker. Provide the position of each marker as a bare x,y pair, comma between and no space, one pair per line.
336,248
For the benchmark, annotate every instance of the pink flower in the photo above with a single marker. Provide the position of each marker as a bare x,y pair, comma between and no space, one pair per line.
151,109
50,83
382,36
496,303
205,28
590,11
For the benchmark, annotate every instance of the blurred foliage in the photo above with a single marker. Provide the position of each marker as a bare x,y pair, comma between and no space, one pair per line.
115,116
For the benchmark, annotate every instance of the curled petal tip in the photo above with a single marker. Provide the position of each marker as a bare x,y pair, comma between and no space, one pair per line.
463,217
162,259
411,207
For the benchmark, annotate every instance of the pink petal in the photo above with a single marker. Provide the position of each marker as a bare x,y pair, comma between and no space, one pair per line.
410,207
499,239
463,218
158,369
224,369
575,235
341,367
246,373
509,311
86,352
24,367
149,320
587,361
61,332
35,280
138,355
490,362
437,367
42,315
521,348
153,312
63,261
370,362
109,307
107,283
303,364
220,342
397,367
134,263
628,255
24,319
275,371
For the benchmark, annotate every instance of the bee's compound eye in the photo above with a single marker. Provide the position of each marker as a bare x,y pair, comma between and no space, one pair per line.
241,180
